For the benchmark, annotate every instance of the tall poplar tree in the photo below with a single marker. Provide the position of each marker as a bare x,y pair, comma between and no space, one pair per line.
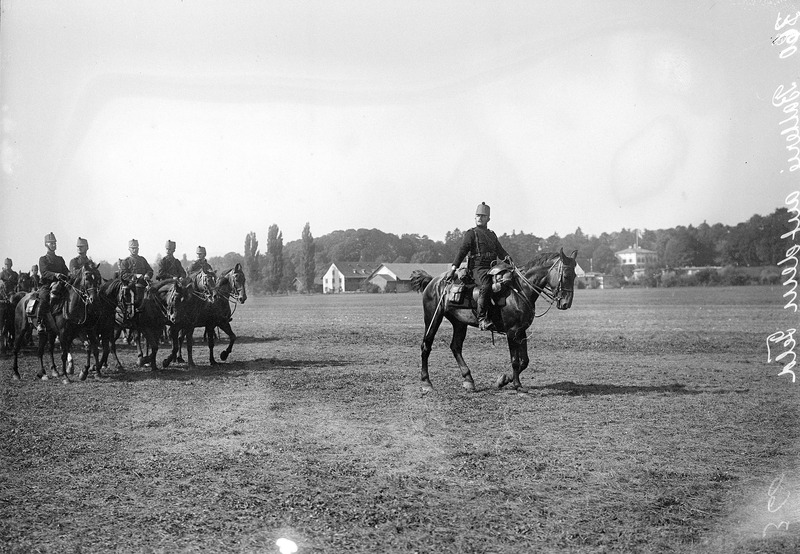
275,257
252,263
309,251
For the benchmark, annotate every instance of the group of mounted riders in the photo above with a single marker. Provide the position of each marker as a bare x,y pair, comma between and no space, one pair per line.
72,300
489,291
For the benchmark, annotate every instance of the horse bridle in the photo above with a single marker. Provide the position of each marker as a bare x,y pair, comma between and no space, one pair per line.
557,294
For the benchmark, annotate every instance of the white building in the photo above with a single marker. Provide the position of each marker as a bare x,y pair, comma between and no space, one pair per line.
346,276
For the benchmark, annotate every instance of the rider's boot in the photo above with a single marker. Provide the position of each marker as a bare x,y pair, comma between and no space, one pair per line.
484,323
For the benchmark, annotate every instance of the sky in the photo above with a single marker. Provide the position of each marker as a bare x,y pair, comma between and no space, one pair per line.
201,121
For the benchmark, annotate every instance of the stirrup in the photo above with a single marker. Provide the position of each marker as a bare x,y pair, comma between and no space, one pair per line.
486,325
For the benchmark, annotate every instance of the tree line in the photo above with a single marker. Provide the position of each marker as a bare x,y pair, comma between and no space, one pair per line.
296,264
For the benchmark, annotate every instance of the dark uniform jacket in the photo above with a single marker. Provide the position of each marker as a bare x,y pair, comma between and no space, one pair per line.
132,265
11,279
482,246
199,264
170,267
50,265
76,263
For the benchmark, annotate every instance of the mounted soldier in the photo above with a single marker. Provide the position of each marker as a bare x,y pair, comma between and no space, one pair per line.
54,272
484,249
9,276
202,274
134,265
200,263
76,263
35,276
169,267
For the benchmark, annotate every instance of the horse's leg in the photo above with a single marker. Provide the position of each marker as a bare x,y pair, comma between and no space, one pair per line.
153,338
174,333
189,335
228,330
519,361
181,336
456,347
432,321
209,335
19,339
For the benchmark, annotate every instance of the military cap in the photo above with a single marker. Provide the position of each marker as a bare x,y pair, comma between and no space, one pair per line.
49,237
201,249
133,243
8,261
482,209
170,244
82,242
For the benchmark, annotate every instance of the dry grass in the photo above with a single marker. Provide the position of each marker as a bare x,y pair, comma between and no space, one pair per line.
652,425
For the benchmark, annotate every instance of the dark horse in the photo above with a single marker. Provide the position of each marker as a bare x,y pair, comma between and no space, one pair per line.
550,274
70,316
189,308
8,302
115,309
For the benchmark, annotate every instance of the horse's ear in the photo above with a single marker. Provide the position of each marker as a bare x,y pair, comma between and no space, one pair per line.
238,267
574,255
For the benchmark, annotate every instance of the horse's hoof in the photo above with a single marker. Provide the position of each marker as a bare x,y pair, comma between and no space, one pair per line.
522,390
427,386
180,360
15,377
468,386
223,355
140,361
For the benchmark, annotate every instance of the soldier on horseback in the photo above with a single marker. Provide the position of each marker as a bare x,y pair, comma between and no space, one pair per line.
54,271
200,263
134,265
35,276
169,267
9,276
484,249
76,263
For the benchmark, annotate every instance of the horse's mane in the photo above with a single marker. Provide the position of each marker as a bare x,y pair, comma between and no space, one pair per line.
543,258
111,287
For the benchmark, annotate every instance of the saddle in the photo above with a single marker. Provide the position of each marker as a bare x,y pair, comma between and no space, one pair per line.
463,291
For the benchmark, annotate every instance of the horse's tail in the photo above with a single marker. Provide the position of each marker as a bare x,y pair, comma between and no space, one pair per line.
420,279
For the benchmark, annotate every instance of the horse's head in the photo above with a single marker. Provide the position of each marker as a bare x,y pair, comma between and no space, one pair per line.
137,286
555,271
88,280
25,282
173,294
561,279
204,282
232,284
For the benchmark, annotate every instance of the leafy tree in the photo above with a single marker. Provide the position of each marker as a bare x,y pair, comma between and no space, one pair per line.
603,259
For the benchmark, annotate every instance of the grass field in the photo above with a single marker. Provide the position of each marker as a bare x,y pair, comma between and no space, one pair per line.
653,424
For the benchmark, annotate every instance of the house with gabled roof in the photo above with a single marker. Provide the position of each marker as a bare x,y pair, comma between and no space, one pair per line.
397,277
346,276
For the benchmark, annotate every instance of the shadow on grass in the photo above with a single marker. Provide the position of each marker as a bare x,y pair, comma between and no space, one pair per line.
575,389
182,372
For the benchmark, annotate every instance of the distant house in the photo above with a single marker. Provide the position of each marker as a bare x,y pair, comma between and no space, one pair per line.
397,277
345,276
637,258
